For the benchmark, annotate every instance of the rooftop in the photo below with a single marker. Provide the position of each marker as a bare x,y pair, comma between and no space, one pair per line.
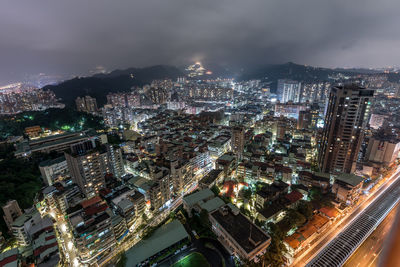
350,179
212,204
125,204
226,157
294,196
240,229
194,198
211,177
50,162
164,237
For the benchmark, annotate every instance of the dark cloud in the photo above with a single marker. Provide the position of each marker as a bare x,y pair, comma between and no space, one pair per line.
73,36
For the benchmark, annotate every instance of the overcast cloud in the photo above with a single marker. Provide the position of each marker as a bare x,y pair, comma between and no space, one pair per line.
74,36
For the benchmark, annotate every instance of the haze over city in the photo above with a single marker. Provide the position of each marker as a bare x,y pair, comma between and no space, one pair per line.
73,37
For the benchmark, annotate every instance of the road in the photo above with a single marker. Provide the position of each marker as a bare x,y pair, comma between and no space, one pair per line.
368,253
133,238
373,211
65,240
339,226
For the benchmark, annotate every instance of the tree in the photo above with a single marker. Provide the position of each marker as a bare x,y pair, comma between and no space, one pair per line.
274,254
204,218
292,219
114,139
122,259
247,193
55,119
144,217
215,190
275,231
305,208
296,217
315,194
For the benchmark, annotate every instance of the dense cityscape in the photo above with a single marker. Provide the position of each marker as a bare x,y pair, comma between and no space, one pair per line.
199,133
200,170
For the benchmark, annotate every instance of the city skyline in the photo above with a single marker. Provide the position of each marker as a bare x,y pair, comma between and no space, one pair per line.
199,133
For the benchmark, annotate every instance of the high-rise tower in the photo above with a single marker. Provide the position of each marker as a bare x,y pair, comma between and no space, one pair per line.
345,119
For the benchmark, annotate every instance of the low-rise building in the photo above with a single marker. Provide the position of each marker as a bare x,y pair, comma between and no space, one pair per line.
317,179
305,234
163,239
119,227
214,177
347,187
238,234
271,192
45,248
28,225
383,149
227,163
192,200
67,196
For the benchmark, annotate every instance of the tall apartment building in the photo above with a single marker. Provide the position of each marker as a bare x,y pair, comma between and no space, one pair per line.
88,165
238,141
160,191
11,212
288,90
116,162
304,120
345,120
181,175
53,170
91,224
86,104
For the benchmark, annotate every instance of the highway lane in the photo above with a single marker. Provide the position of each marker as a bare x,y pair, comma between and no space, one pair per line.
336,252
368,253
327,236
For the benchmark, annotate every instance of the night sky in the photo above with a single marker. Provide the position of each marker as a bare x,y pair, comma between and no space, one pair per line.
73,36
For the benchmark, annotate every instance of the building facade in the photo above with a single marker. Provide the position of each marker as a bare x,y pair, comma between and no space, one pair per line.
345,120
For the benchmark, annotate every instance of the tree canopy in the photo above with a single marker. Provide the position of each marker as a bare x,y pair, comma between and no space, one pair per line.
66,119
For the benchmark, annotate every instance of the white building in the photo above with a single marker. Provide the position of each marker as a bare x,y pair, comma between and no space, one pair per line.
288,90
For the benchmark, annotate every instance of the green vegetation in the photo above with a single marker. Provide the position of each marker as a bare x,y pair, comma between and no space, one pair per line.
247,193
292,219
19,180
194,259
246,212
320,199
274,254
215,190
66,119
305,208
114,139
201,224
122,260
